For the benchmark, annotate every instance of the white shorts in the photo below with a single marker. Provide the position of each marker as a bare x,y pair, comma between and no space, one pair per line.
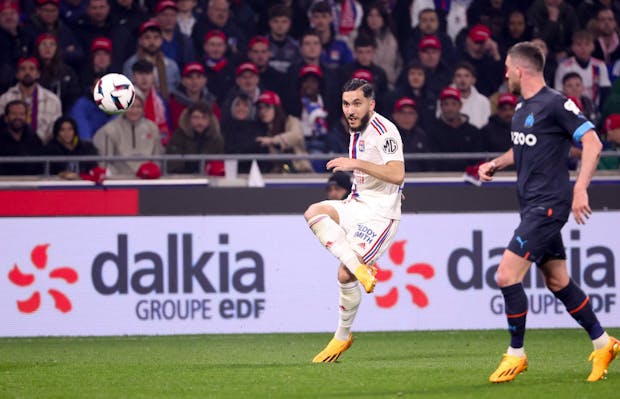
368,233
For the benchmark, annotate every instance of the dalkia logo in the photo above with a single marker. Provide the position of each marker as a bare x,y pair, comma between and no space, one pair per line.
397,256
38,256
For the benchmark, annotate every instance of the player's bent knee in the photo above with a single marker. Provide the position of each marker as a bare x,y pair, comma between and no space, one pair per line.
312,211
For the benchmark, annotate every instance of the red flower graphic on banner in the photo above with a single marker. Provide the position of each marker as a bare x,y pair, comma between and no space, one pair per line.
38,256
397,256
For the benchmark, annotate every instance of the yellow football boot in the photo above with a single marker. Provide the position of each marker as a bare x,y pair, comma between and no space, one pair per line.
366,276
333,350
601,358
509,368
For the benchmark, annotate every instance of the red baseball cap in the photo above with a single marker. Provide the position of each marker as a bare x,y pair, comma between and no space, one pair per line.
404,102
43,2
429,42
44,36
269,97
163,4
258,39
149,170
9,5
101,43
149,25
612,122
311,70
507,98
32,60
215,33
479,33
193,67
362,74
246,66
450,92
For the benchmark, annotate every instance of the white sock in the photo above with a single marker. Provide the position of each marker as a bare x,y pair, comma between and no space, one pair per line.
601,341
349,301
518,352
334,239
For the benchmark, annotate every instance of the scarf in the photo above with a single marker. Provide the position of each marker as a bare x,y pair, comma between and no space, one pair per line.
215,65
155,111
347,17
316,116
160,67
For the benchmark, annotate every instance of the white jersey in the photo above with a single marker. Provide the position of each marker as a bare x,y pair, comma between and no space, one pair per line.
379,143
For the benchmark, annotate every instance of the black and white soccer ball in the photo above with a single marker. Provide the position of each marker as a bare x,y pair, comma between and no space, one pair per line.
114,93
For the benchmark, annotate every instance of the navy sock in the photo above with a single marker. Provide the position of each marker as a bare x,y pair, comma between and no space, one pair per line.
578,305
516,312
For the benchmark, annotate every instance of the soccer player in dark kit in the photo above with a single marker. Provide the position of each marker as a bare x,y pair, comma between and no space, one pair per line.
543,126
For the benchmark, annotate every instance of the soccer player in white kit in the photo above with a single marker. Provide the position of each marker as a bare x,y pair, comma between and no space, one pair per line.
358,229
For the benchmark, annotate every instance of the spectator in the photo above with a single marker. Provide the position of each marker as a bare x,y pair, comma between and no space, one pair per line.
185,16
247,82
87,115
554,22
131,134
66,142
414,86
241,130
611,142
129,14
282,134
270,79
176,45
592,70
46,20
378,25
607,44
572,86
514,31
98,23
56,76
482,52
193,88
452,132
155,108
218,18
100,63
219,69
338,186
551,64
73,11
429,26
335,52
496,133
415,139
18,139
166,70
314,112
493,14
42,106
15,42
438,74
364,50
476,106
284,49
198,133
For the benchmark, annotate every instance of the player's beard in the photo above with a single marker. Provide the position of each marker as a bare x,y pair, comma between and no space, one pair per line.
514,88
363,123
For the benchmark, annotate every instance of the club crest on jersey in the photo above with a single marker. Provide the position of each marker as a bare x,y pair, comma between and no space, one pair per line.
529,121
390,146
361,146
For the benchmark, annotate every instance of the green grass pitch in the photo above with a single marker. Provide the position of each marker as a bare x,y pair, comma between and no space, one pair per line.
429,364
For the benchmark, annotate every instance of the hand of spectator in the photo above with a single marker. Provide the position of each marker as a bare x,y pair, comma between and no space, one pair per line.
492,48
265,141
554,13
487,170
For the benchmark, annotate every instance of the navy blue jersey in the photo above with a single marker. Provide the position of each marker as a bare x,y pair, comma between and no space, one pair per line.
542,129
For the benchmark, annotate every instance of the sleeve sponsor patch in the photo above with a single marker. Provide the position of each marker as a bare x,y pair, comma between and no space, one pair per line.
570,105
390,145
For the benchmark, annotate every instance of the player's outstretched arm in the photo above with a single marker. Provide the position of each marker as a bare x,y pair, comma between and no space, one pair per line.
589,160
392,172
487,169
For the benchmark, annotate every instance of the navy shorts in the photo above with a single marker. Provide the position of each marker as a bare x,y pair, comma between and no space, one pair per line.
538,238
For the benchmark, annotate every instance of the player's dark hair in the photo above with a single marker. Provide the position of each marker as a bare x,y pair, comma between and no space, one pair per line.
530,52
467,66
13,103
571,75
360,84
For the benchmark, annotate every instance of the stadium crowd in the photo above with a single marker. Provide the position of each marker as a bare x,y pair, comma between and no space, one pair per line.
264,76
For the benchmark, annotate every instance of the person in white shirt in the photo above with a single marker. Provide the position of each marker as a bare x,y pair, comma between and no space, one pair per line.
359,229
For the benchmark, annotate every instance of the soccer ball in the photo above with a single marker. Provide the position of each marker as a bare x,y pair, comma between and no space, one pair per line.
114,93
